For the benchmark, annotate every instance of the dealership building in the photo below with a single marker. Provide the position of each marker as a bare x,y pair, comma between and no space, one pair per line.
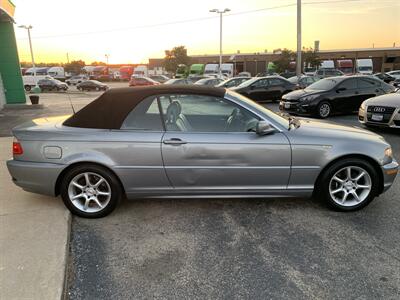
11,87
383,59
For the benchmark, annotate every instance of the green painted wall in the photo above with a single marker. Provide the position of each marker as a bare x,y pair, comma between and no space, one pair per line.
9,65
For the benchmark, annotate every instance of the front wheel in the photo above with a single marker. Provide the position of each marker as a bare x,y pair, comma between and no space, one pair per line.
324,110
90,191
349,185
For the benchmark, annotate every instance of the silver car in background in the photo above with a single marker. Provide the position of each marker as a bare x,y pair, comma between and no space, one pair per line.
383,111
191,140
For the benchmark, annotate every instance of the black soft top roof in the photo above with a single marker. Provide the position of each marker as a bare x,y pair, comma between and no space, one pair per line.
111,108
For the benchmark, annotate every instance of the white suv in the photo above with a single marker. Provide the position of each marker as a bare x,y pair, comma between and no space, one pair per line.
74,80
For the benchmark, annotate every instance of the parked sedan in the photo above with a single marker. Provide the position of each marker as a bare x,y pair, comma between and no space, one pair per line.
342,94
303,81
92,85
381,111
209,81
159,78
142,81
233,82
326,73
194,141
52,85
395,74
265,88
178,81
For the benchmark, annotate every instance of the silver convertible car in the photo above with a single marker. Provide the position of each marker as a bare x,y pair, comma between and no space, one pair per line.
174,141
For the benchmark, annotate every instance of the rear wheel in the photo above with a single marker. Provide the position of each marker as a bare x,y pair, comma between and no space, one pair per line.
90,191
349,185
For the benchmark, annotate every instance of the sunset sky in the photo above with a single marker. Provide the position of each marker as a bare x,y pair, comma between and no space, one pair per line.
133,31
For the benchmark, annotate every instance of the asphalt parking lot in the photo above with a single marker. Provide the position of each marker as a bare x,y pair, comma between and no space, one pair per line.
232,248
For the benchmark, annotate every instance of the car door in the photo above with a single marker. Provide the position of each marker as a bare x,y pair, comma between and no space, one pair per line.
135,149
259,90
345,95
217,150
276,88
368,88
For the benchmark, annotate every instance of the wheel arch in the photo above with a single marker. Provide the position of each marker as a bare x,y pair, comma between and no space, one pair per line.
75,164
369,159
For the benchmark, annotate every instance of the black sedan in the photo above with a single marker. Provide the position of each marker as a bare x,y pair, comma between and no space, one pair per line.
342,94
52,85
265,88
232,82
92,85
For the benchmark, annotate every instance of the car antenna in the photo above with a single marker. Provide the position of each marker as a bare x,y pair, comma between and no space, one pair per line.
70,102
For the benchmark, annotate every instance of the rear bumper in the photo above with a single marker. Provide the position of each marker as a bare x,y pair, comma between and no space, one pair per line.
389,174
35,177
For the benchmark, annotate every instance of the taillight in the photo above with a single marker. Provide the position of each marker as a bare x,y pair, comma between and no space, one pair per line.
17,148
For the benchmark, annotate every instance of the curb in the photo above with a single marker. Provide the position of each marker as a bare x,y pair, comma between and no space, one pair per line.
64,292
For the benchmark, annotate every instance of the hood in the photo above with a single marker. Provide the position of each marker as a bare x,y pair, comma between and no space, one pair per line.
392,99
297,94
330,131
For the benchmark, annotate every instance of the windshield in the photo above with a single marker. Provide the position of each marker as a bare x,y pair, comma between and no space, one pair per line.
365,68
202,81
293,79
95,81
323,84
272,115
248,82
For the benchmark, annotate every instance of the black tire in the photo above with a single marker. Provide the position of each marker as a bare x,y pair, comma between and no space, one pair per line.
324,110
114,184
27,88
323,185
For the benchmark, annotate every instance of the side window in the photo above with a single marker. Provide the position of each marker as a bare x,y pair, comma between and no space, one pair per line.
260,83
320,72
275,81
145,116
195,113
349,84
367,83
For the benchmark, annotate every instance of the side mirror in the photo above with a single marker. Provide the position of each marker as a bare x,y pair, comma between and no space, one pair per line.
341,89
264,128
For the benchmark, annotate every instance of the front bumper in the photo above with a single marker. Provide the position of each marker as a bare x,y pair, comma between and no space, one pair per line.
389,171
35,177
391,119
296,108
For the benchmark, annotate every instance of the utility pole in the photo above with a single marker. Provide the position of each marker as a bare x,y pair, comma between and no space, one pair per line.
28,28
220,12
298,60
107,55
67,58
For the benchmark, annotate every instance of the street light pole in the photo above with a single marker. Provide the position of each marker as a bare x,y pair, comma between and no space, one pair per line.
298,62
29,27
220,12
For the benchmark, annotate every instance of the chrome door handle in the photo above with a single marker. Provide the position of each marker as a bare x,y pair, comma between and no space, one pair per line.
174,141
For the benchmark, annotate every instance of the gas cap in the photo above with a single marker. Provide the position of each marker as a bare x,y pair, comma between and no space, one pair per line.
52,152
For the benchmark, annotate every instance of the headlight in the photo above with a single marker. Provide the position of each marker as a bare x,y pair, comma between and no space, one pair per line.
308,98
363,105
388,152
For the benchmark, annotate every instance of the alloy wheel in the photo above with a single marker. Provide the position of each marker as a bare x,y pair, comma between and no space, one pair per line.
89,192
350,186
324,110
